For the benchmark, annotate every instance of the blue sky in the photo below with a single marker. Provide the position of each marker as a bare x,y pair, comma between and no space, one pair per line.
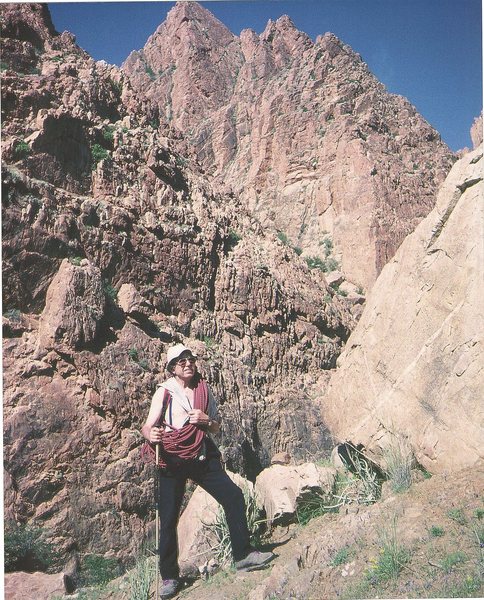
427,50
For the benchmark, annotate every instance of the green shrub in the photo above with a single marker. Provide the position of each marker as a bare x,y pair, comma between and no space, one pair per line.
210,342
451,560
341,557
98,153
149,71
98,570
25,550
470,587
110,291
233,239
283,237
117,86
436,531
21,150
425,473
328,265
75,260
108,133
314,262
331,264
133,354
328,246
13,314
457,515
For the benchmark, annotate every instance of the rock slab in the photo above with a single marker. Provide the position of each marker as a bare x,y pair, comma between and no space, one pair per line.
413,365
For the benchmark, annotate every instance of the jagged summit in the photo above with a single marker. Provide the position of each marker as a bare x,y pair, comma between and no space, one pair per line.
303,131
27,22
191,11
191,22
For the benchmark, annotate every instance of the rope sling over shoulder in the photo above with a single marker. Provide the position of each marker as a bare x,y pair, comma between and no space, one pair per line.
179,444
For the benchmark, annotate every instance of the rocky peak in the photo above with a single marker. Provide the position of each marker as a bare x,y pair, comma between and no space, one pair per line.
284,41
26,22
197,18
285,28
307,136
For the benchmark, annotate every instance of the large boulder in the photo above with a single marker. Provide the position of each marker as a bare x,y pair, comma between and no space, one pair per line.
74,307
32,586
413,365
281,488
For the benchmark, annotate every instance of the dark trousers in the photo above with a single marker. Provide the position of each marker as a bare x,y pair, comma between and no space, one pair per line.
210,476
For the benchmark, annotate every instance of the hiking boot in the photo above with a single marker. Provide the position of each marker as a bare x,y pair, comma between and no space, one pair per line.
254,560
169,588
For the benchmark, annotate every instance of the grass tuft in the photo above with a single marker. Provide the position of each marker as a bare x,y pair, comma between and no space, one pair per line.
399,461
457,515
219,530
341,557
141,578
436,531
312,506
392,557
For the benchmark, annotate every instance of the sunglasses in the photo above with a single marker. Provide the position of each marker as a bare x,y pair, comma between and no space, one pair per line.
186,361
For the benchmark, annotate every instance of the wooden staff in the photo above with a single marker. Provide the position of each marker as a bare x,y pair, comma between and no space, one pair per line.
157,521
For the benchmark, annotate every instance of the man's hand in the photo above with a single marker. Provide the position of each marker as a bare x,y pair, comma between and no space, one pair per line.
198,417
155,435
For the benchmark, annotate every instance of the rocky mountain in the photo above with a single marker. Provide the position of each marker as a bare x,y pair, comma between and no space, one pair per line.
165,202
302,131
114,247
412,368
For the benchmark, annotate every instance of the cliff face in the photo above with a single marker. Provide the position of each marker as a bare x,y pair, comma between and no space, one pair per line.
119,239
115,247
302,131
412,368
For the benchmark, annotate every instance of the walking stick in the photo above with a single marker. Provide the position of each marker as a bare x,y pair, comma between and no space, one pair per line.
157,521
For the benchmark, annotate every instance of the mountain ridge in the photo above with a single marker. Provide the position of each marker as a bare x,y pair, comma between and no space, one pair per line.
265,118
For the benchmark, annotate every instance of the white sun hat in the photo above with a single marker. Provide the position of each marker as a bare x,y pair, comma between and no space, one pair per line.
176,351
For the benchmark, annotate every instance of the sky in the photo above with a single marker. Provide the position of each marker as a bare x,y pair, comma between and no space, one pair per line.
429,51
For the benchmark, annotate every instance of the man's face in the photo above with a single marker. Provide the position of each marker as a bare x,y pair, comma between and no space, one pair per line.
185,366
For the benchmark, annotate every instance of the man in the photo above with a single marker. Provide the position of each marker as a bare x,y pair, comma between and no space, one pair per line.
183,412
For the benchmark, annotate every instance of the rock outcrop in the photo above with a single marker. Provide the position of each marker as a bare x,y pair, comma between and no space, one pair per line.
116,244
413,365
476,131
302,131
114,247
74,308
